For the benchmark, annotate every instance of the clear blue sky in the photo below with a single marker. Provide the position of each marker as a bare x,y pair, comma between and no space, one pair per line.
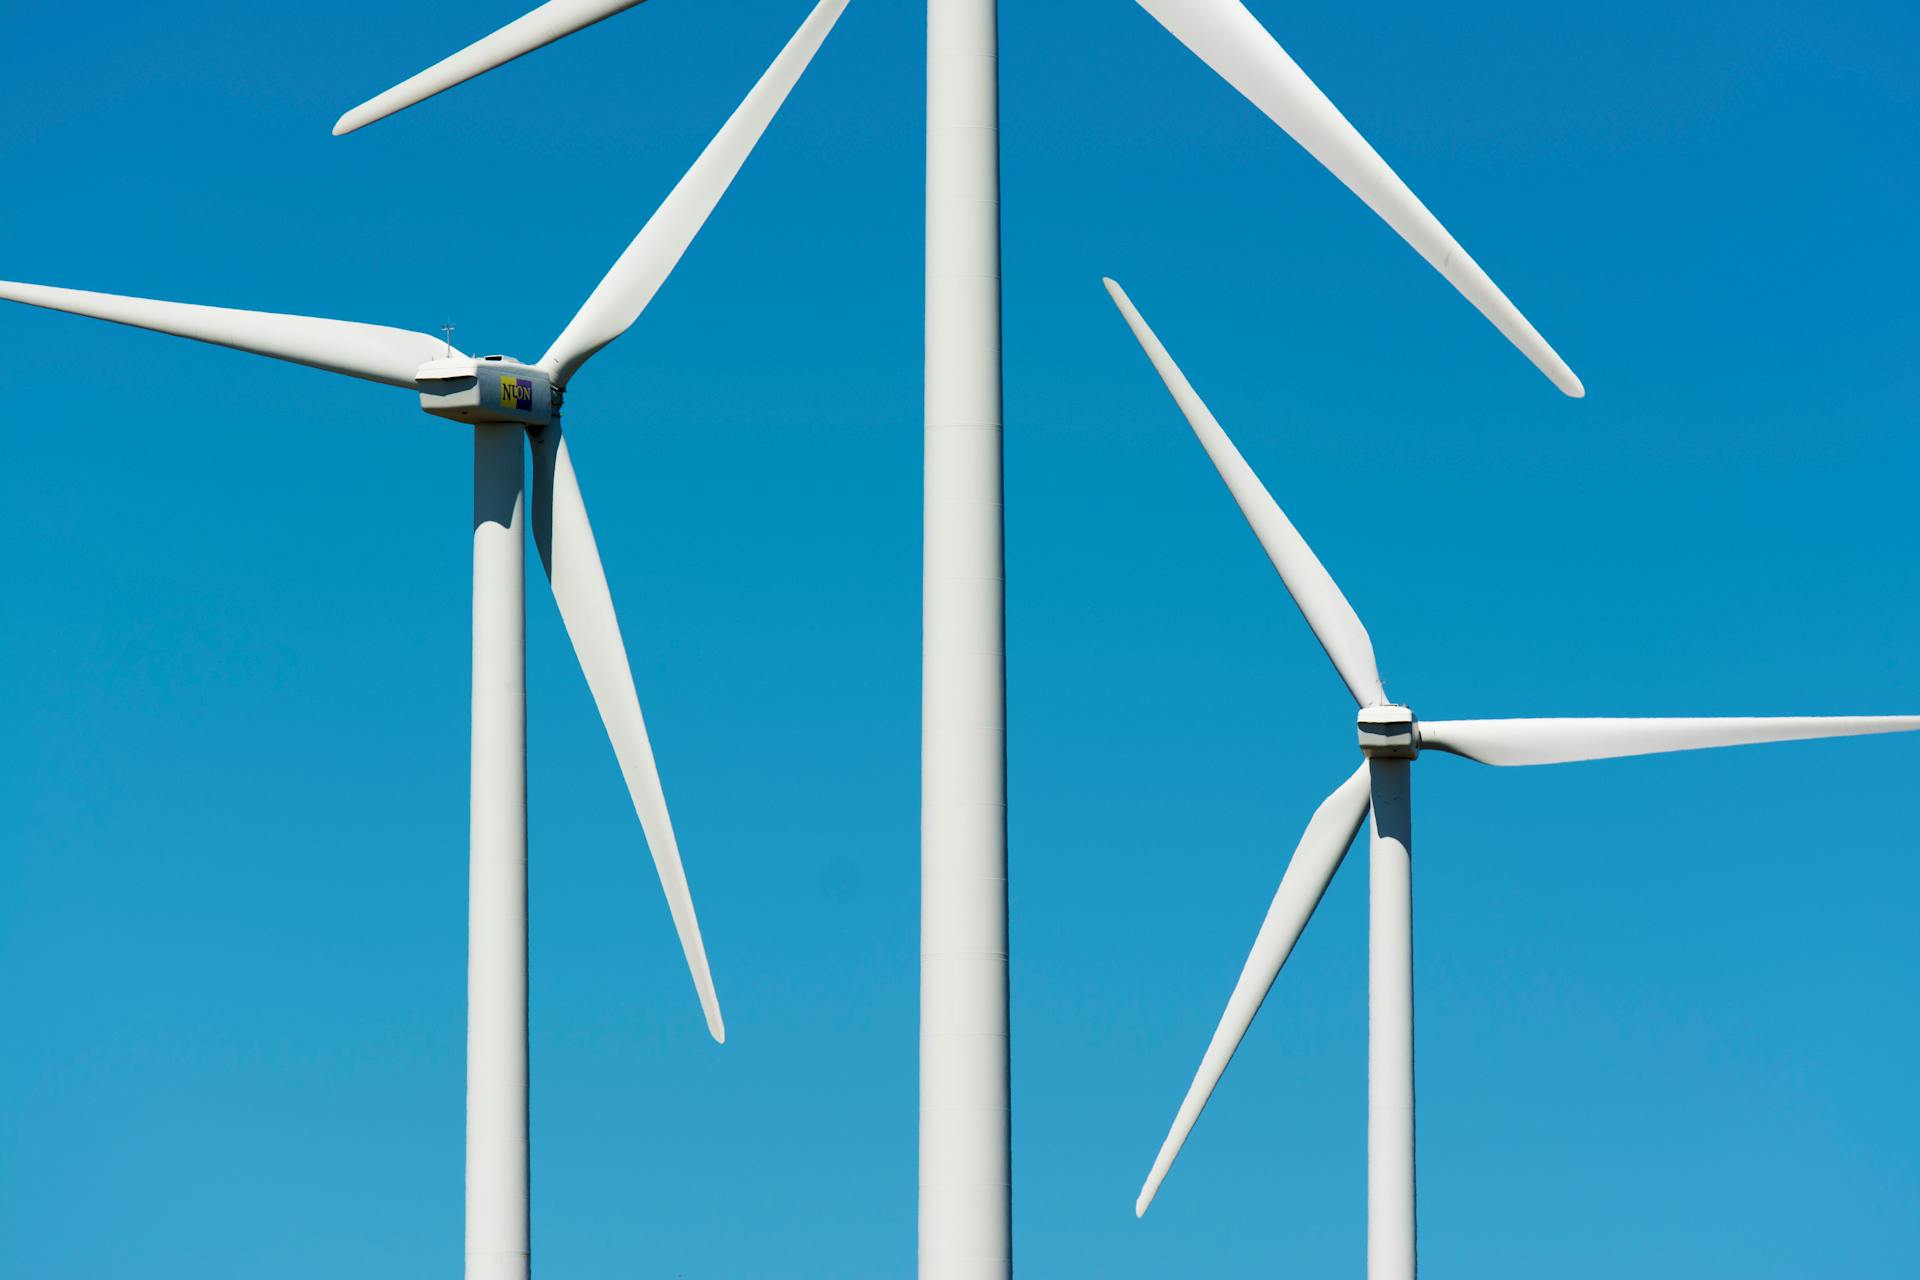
1665,1007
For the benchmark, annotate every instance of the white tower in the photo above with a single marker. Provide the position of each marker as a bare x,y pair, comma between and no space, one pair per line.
966,1209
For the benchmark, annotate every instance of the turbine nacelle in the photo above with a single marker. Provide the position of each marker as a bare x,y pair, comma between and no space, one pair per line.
1388,732
487,389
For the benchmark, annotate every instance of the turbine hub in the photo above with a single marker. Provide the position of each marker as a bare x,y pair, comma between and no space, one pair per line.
1388,732
487,389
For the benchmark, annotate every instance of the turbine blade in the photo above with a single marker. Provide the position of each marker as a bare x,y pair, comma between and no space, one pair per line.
567,549
369,351
1322,847
1231,41
1335,625
523,35
619,299
1549,741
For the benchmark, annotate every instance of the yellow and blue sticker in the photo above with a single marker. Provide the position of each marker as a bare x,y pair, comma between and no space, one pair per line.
516,393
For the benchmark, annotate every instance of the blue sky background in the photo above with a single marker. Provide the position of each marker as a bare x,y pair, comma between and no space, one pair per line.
1665,1006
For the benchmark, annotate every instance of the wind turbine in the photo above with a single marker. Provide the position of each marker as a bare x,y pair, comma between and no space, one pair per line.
504,399
966,1127
1390,739
1222,34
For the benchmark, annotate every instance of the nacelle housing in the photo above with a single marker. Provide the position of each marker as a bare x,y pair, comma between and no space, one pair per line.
1388,733
486,389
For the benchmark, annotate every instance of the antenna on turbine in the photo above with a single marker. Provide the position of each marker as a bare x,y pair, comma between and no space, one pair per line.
448,329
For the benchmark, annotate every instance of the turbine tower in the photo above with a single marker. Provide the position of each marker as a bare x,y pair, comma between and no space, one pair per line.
966,1118
509,405
1390,740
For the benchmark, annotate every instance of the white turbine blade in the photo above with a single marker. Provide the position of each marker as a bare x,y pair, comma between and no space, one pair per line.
1335,625
369,351
619,299
567,548
1322,847
1231,41
1546,741
523,35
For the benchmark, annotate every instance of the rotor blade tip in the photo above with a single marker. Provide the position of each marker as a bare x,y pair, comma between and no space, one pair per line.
1140,1204
715,1027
